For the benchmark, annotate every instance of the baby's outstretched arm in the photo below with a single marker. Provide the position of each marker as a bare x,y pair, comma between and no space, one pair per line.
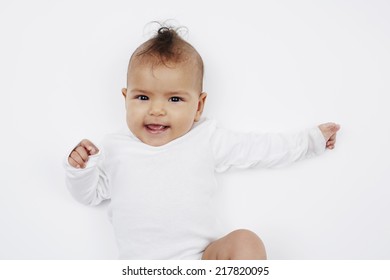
329,130
79,156
84,175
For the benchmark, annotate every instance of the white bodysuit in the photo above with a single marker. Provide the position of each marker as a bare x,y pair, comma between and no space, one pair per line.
161,205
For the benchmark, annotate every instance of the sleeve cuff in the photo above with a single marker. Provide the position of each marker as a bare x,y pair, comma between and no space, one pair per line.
317,143
92,162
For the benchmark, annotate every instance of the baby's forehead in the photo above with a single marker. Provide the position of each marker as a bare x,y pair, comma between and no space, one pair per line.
179,54
151,62
189,68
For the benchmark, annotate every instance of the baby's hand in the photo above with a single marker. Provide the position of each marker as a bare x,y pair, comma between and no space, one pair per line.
79,156
329,130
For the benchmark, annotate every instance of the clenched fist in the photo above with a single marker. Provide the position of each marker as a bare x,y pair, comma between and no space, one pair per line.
78,158
329,130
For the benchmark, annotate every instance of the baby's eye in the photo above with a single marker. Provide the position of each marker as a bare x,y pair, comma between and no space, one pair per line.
142,97
175,99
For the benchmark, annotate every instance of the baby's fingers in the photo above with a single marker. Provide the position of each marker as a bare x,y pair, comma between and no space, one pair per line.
89,146
73,162
76,160
82,152
330,145
80,156
331,142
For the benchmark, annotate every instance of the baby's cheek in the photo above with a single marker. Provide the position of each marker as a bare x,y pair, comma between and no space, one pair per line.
186,126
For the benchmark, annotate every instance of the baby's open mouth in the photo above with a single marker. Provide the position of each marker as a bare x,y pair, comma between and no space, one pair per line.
156,128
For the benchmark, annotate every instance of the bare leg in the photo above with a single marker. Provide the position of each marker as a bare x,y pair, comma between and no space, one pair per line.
240,244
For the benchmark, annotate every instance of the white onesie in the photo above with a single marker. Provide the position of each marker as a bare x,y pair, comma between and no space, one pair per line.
161,205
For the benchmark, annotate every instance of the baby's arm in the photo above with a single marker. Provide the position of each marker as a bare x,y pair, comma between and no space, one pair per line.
85,178
246,150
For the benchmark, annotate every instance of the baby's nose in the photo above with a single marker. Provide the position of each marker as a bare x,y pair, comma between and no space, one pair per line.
157,109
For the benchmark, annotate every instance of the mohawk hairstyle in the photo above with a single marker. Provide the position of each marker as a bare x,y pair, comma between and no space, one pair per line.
167,48
164,44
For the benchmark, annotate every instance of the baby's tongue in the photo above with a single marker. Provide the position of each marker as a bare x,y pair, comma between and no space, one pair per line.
156,127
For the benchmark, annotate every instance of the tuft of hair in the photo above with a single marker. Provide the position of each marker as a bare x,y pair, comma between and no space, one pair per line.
165,44
165,47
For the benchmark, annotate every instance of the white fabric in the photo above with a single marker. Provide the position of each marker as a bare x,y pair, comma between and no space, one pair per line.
161,205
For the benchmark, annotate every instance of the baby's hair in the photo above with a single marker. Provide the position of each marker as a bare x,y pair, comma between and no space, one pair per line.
167,48
164,44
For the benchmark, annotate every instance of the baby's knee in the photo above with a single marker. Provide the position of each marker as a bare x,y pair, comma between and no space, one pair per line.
244,236
248,242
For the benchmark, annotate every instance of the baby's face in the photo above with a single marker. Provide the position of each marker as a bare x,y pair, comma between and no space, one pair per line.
162,103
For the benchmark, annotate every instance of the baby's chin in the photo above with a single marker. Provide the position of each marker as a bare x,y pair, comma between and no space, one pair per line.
156,143
157,135
155,140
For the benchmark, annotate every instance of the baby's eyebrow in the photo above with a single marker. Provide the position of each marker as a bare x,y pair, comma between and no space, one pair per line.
135,90
142,91
180,92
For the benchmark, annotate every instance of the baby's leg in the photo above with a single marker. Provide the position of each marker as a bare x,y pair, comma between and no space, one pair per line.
240,244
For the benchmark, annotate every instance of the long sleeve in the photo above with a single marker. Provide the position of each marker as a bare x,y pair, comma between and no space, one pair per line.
246,150
88,186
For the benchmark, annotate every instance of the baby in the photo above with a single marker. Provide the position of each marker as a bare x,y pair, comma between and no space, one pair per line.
159,173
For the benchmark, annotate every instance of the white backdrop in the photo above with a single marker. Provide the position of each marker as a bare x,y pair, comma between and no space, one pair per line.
270,66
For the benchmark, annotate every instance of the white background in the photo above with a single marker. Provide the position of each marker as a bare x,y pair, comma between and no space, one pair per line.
270,66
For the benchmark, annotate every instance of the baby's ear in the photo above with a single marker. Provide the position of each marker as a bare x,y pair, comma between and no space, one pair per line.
201,103
124,92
